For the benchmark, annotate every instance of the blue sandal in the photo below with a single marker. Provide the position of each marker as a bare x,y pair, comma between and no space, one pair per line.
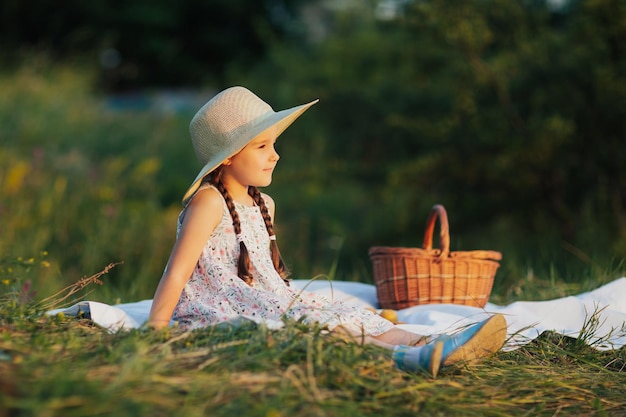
472,343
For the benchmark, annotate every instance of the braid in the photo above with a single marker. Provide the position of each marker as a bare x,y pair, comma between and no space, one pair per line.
244,264
277,260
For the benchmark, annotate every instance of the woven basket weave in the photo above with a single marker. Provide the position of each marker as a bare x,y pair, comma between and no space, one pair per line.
406,277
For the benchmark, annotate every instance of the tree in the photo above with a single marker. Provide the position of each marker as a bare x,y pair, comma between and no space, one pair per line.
147,43
508,113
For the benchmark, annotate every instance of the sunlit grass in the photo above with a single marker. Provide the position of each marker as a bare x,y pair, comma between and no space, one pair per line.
67,366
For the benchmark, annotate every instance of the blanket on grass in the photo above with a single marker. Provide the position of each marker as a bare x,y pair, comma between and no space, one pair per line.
598,317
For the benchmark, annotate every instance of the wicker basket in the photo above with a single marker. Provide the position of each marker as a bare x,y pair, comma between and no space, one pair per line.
405,277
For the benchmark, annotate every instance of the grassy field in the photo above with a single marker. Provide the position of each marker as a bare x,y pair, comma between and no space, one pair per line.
82,185
67,366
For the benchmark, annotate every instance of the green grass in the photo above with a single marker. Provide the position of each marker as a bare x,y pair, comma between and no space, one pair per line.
67,366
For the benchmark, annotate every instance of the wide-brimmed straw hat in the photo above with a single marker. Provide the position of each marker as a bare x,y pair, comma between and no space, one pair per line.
228,122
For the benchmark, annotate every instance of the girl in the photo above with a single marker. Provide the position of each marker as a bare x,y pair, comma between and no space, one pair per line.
225,263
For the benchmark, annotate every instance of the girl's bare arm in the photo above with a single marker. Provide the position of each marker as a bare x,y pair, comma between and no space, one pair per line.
201,218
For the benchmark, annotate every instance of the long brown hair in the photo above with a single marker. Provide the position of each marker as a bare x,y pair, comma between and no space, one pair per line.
243,264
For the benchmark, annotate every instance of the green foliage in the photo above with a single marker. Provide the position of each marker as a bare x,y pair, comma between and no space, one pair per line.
17,292
85,183
506,112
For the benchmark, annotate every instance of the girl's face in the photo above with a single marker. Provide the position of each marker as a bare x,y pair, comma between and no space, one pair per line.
255,163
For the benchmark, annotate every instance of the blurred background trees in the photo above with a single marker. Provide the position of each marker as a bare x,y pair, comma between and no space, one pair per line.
148,43
509,113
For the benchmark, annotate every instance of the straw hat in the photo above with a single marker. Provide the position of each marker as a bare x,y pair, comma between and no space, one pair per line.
228,122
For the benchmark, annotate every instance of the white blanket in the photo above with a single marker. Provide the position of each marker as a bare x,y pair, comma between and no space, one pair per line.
598,316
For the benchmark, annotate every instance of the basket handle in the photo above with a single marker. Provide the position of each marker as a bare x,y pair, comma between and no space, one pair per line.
444,234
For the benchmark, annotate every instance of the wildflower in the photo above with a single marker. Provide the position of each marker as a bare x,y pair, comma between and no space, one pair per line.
45,264
15,177
6,281
27,294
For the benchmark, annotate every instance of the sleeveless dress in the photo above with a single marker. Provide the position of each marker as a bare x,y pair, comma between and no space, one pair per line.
215,294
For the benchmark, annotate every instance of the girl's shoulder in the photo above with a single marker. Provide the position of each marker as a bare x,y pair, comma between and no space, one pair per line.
207,204
267,199
269,202
207,196
199,218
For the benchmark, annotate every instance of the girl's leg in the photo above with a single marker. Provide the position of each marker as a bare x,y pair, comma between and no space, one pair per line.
404,344
397,336
415,352
388,340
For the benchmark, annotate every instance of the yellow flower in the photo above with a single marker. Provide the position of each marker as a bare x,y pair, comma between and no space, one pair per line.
45,264
6,281
147,167
15,177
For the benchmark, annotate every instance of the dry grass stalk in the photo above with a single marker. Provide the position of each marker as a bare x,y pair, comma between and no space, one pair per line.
58,299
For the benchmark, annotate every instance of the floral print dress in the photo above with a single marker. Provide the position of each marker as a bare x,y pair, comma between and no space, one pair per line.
215,294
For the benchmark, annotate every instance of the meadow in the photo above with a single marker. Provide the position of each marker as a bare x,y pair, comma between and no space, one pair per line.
84,185
67,366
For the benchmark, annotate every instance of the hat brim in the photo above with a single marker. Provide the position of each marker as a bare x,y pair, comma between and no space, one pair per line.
278,120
